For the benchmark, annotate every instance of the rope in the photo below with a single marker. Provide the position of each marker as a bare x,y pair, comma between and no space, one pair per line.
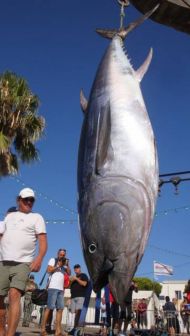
123,4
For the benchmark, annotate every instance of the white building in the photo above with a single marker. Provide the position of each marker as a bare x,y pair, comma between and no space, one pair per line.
173,289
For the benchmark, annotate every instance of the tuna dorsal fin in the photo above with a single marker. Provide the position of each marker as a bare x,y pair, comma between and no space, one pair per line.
83,101
104,150
144,67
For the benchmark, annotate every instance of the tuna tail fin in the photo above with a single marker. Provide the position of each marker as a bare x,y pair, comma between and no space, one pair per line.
110,33
83,101
144,67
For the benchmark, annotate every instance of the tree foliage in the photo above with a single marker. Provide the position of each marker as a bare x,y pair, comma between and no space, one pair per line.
148,284
20,126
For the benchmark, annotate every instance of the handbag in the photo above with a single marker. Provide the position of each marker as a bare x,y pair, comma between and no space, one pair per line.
39,296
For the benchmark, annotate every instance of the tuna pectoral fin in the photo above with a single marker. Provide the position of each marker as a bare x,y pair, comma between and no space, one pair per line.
144,67
104,151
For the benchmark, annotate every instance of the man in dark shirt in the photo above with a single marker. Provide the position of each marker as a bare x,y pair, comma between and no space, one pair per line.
170,315
78,287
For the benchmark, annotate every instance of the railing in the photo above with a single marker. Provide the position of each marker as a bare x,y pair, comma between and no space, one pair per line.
172,322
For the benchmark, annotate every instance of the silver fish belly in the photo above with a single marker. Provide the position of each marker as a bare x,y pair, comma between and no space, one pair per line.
117,173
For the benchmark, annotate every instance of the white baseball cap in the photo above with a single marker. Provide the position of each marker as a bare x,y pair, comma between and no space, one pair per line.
26,192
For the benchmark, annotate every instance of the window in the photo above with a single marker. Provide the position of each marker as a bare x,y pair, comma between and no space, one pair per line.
178,295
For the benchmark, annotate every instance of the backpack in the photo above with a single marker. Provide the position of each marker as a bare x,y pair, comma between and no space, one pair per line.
66,280
66,277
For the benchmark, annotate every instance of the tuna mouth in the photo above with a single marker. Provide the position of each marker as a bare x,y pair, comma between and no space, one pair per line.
102,279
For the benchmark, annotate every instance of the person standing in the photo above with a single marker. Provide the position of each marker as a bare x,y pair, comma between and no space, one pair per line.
177,328
20,232
126,309
28,305
60,254
114,313
142,313
187,291
78,287
185,314
170,315
103,315
56,270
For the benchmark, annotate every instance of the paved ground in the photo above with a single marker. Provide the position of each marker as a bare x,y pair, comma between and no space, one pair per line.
34,330
29,331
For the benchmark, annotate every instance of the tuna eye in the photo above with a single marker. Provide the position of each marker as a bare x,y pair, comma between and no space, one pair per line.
92,248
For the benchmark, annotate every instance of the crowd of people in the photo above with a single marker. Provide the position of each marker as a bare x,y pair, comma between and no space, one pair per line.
125,315
20,231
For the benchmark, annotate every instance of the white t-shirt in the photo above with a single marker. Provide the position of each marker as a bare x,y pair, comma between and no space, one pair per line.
19,237
57,278
2,227
103,310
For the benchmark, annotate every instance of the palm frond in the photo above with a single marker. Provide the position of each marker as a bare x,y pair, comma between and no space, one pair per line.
8,164
4,143
20,125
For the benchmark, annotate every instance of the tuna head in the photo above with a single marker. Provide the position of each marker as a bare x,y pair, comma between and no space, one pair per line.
117,173
114,228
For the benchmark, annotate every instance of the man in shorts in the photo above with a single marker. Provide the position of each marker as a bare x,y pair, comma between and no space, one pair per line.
19,231
62,253
56,269
78,287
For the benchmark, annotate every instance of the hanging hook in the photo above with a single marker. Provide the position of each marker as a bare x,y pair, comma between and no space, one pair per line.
175,181
123,4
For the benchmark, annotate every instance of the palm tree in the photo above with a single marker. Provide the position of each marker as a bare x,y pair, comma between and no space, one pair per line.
20,126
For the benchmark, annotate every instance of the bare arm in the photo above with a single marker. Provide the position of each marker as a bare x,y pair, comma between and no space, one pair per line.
37,262
81,282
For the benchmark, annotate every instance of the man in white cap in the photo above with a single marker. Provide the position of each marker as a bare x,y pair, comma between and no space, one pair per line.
20,231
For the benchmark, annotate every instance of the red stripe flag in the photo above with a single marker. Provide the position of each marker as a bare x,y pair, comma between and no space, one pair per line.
162,269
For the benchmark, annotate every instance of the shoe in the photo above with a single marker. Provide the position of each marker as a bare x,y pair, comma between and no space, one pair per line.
72,331
43,333
68,329
49,330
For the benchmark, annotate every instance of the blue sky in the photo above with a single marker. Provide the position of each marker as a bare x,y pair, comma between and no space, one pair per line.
53,44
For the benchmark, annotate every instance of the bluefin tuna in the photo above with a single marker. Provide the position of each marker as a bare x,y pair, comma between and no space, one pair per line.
117,171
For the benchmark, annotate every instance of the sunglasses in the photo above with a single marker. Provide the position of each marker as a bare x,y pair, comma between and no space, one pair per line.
28,200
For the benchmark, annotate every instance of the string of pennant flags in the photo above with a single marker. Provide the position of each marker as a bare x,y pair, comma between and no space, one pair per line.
46,197
168,251
74,212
